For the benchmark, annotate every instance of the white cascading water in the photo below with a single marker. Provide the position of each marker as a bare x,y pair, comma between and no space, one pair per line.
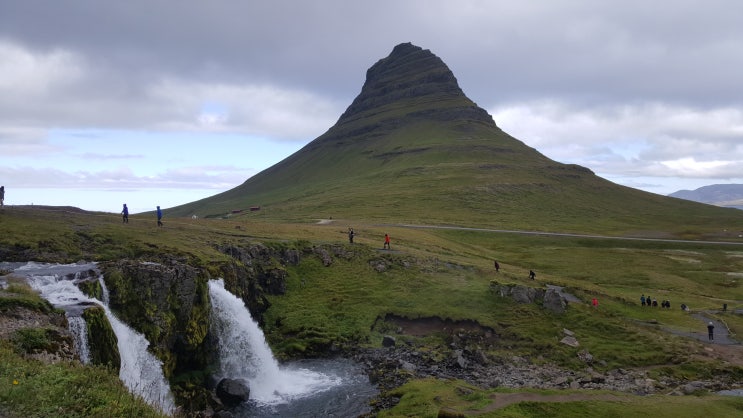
80,331
245,355
140,371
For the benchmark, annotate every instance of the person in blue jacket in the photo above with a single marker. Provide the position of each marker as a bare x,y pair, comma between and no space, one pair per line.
159,216
125,213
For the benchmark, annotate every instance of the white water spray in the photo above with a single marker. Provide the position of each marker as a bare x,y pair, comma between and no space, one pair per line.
140,371
245,355
79,330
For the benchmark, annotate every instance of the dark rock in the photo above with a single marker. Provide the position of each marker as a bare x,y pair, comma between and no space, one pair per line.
388,341
324,255
232,392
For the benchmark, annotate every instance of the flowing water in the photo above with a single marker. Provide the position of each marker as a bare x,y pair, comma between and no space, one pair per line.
308,388
80,331
140,371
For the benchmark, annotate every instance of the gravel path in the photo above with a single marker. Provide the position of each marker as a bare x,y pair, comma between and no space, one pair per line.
721,335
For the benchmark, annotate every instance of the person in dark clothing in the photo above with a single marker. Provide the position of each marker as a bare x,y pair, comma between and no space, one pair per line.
350,235
711,330
497,266
2,196
159,217
532,275
642,299
125,213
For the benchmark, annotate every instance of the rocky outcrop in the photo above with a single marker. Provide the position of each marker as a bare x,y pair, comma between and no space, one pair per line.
169,303
411,74
550,299
102,340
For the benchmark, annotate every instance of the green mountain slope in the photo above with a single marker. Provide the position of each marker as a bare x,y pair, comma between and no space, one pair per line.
412,148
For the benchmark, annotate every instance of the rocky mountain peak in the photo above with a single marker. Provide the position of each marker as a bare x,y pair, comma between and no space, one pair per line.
414,78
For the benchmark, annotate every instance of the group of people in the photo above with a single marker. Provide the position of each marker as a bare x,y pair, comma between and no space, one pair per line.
648,301
125,215
351,234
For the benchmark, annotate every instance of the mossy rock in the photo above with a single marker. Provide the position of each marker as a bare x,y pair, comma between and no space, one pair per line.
102,340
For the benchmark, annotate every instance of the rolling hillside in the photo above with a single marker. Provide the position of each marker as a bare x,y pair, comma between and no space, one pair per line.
412,148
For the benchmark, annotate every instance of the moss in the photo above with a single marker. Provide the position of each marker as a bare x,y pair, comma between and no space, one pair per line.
92,288
103,343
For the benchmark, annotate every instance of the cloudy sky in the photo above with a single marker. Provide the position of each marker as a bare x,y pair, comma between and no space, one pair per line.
166,102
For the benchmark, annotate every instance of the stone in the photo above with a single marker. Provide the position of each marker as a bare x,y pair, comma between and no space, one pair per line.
232,392
554,302
571,341
388,341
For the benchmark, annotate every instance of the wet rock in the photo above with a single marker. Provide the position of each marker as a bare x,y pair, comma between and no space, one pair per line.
232,392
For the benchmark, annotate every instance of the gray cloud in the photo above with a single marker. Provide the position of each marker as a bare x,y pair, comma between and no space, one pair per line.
622,87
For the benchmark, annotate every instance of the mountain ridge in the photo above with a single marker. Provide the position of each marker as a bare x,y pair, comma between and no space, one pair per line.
726,195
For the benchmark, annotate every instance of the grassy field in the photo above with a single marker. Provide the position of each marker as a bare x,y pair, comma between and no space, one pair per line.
445,273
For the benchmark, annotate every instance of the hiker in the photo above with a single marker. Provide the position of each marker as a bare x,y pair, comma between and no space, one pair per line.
386,241
2,196
532,275
724,307
711,330
649,301
497,266
159,217
125,212
655,303
595,303
350,235
642,299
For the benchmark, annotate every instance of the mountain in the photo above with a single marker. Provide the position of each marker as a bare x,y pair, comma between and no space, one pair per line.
727,195
412,148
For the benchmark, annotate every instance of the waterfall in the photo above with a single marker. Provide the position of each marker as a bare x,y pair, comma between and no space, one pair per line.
244,354
104,290
80,332
140,370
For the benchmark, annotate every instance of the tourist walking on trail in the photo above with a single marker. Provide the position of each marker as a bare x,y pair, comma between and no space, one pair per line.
386,241
711,330
532,275
159,217
2,196
125,213
497,266
350,235
642,299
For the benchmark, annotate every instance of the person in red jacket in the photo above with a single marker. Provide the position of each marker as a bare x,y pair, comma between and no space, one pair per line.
386,241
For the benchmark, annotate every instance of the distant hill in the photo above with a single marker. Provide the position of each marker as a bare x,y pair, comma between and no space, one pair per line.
412,148
727,195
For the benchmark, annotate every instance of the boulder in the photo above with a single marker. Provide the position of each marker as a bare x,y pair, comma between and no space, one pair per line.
388,341
554,302
232,392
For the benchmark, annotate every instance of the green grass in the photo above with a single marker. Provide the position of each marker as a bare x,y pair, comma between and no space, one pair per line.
426,397
30,388
435,273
